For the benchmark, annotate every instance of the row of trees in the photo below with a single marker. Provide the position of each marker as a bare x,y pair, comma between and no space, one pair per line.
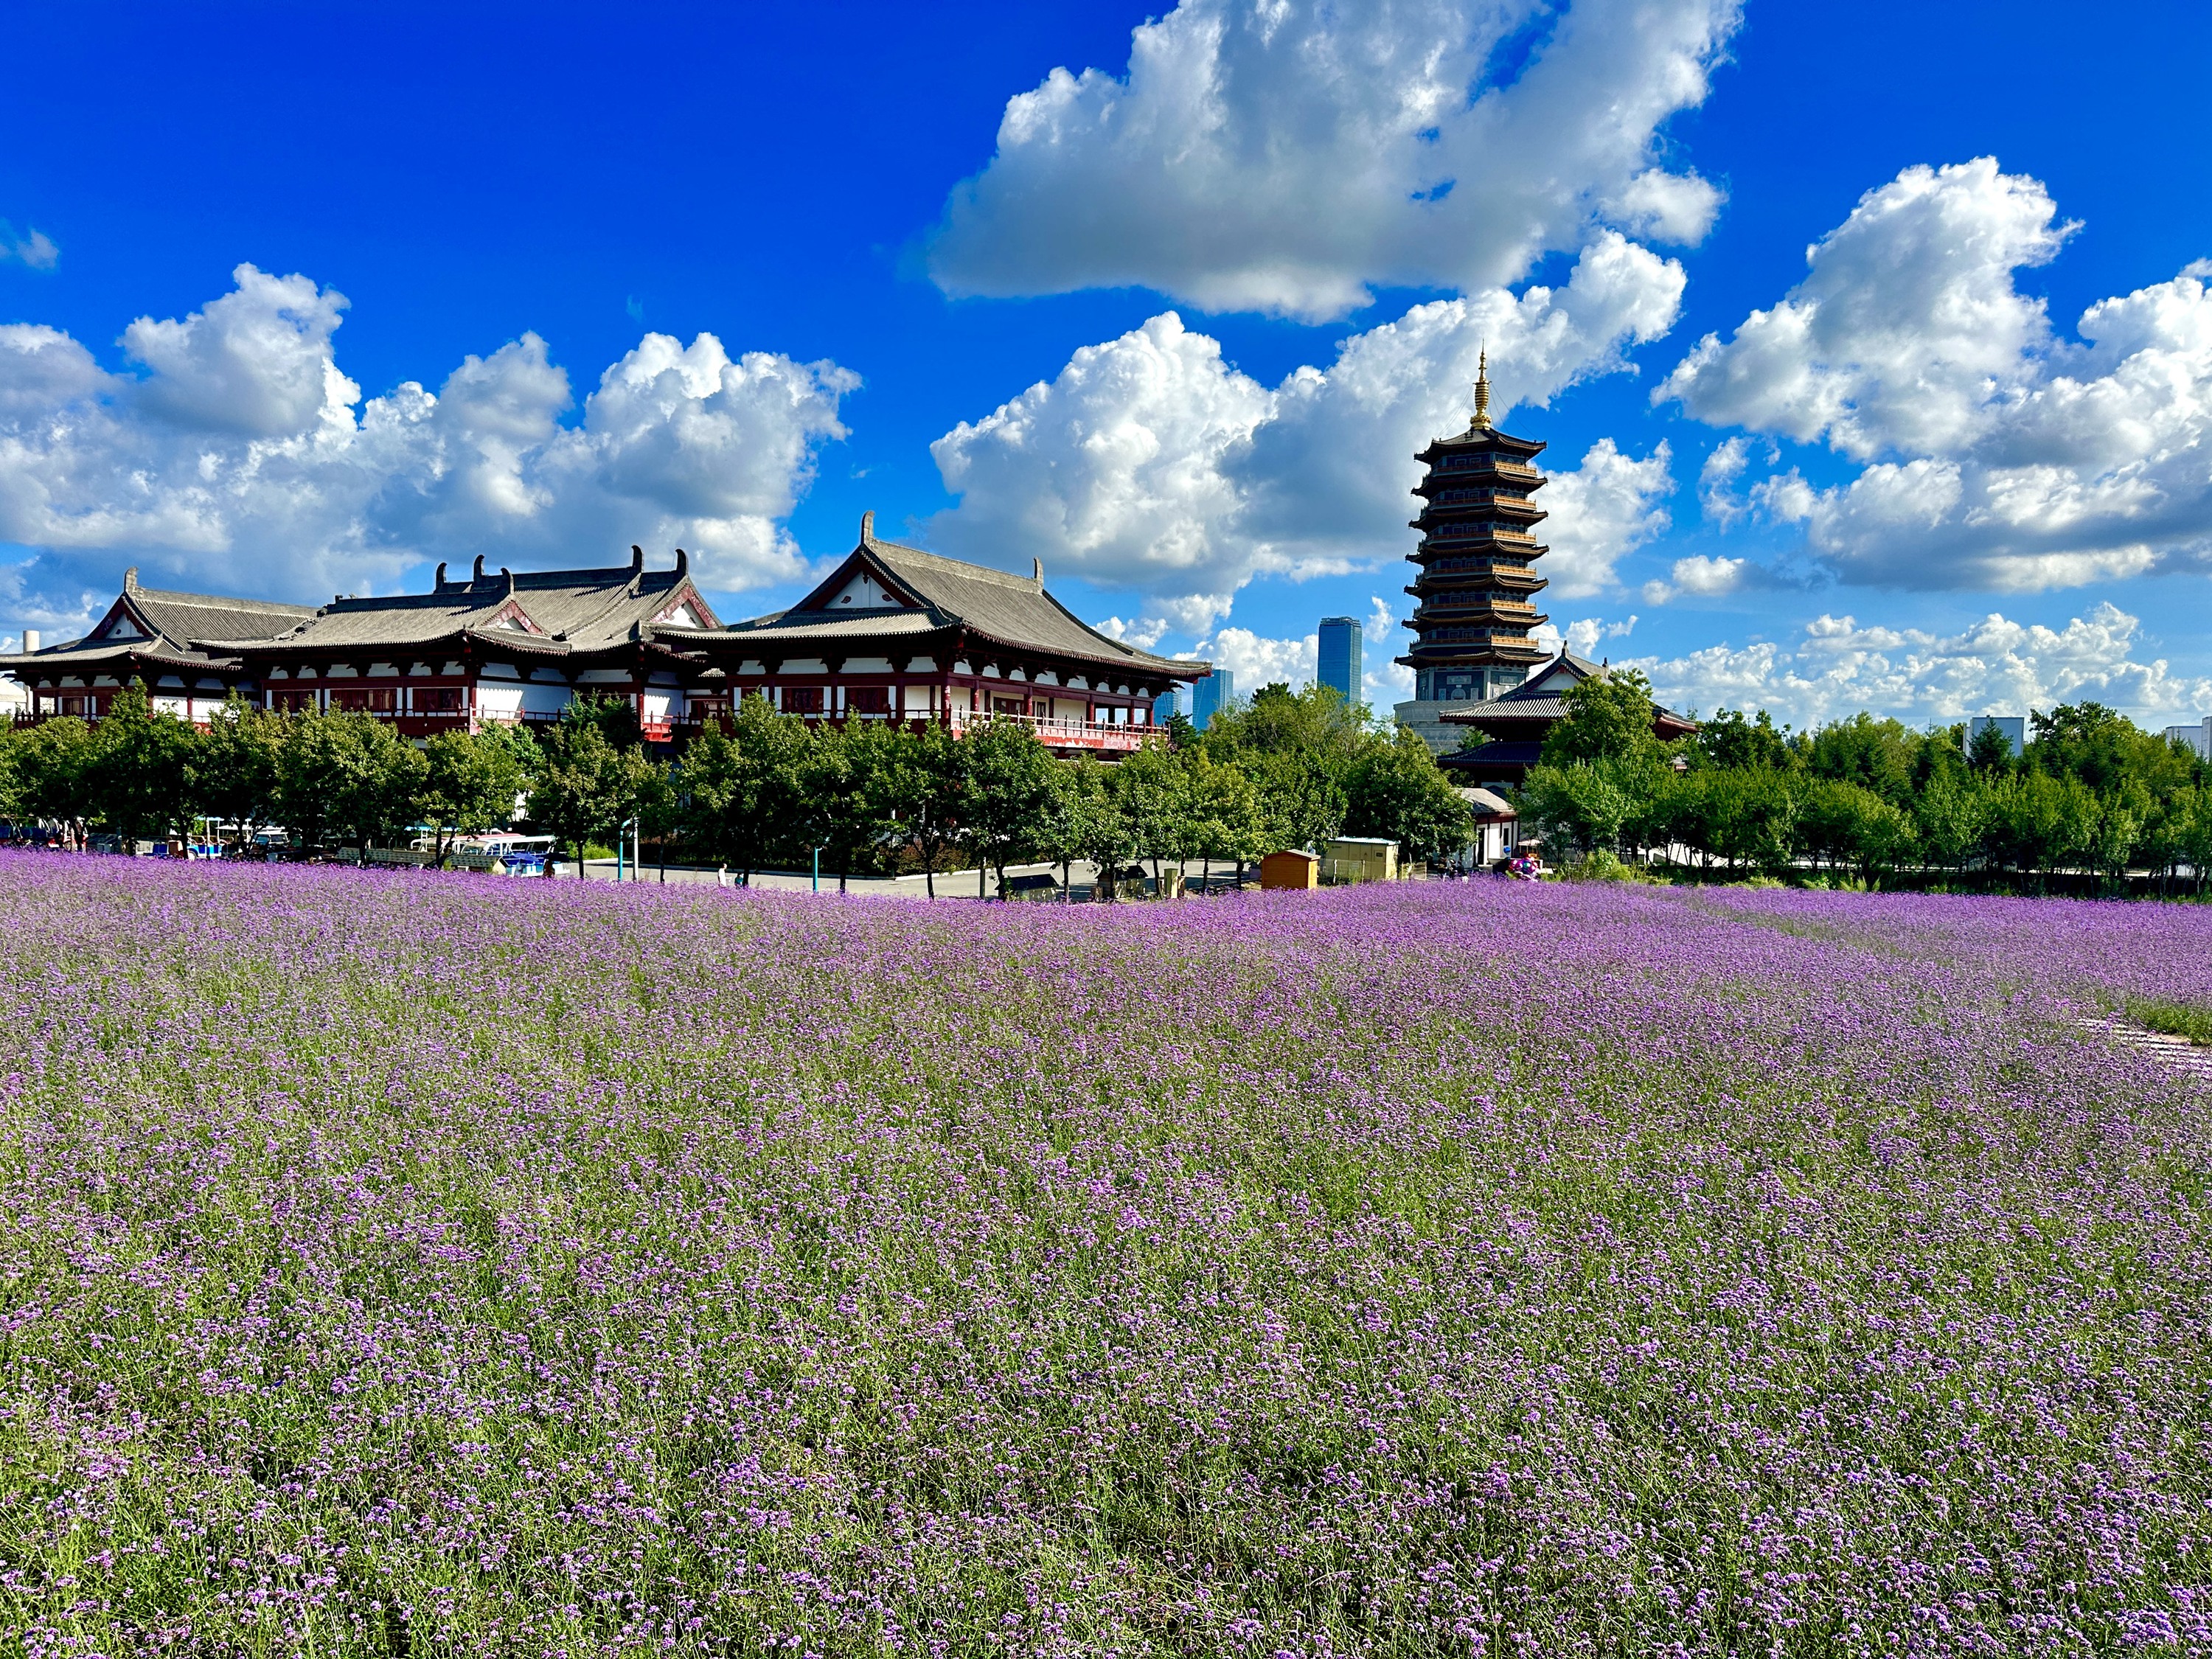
1291,768
326,779
771,791
2091,791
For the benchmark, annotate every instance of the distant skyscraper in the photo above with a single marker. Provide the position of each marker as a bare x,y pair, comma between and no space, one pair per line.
1210,695
1343,662
1166,706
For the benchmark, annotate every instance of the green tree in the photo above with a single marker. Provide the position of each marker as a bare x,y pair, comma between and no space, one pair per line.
1009,789
1101,833
470,785
1059,834
1227,823
842,810
1952,812
50,776
1298,749
141,769
922,784
1609,717
347,775
590,781
1585,804
1395,790
1150,787
572,797
2039,822
1879,755
1731,742
1989,752
235,774
1751,817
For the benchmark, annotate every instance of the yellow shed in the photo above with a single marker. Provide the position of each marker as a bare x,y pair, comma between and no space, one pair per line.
1291,870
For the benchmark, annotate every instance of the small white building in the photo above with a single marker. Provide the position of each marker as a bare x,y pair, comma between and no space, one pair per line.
2198,737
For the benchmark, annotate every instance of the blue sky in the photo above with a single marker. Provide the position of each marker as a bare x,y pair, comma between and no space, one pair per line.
1164,299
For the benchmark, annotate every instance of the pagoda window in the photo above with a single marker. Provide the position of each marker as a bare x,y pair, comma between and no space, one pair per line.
366,700
1010,705
802,699
439,700
868,700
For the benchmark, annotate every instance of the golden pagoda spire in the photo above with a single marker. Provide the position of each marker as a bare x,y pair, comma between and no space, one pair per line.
1482,422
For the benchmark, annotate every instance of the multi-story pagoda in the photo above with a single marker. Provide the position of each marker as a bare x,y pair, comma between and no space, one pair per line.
1477,565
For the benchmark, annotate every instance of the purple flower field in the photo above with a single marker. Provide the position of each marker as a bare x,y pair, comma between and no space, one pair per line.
419,1265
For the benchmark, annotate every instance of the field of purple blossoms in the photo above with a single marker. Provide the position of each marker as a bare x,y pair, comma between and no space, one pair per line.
393,1264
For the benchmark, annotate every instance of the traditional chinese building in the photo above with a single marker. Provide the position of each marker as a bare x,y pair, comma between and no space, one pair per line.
152,638
894,633
1516,723
1476,579
503,647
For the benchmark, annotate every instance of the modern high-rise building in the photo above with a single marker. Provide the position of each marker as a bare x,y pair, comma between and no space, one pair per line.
1342,664
1210,695
1166,706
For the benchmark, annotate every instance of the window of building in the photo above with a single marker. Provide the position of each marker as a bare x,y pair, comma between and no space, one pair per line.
1008,706
868,700
439,700
802,699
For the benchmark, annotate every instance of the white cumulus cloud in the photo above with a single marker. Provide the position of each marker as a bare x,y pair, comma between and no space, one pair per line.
1150,462
1286,156
1701,575
233,454
1991,452
1838,666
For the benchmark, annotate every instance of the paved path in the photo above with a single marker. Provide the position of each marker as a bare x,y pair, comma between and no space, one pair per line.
2177,1054
951,884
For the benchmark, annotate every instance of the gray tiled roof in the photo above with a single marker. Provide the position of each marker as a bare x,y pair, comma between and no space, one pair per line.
192,618
570,611
177,627
1525,702
1001,608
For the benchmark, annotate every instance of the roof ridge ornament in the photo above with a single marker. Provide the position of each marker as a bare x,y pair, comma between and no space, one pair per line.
131,579
439,587
1036,572
683,564
636,559
1481,421
867,527
479,575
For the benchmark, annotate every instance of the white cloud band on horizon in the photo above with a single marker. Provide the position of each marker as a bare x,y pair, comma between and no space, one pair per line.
1836,667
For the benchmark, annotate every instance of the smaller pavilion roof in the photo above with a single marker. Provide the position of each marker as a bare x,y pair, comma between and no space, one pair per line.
1541,700
162,628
